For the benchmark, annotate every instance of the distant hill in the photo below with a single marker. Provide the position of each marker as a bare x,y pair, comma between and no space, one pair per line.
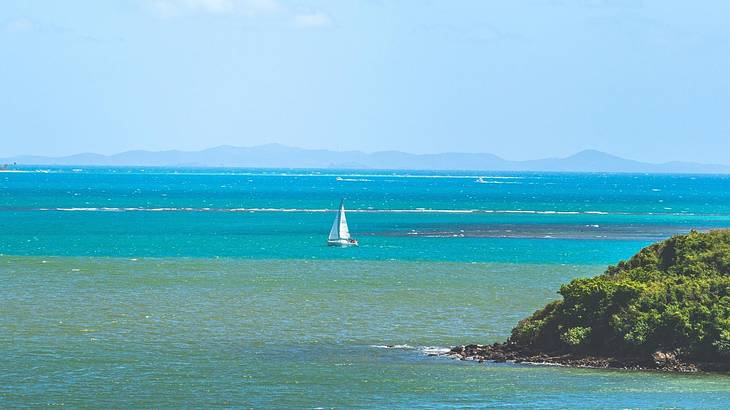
280,156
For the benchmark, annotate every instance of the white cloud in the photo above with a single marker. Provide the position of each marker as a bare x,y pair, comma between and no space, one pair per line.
18,25
316,19
247,8
168,8
268,6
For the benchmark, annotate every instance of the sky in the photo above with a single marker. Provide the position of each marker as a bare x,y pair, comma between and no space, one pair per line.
522,79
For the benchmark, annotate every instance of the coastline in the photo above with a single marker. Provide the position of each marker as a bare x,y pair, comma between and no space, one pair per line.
659,361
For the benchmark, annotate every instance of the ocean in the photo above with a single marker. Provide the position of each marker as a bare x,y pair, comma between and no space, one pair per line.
191,287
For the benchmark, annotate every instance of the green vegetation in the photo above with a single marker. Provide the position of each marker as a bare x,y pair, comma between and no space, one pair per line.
671,296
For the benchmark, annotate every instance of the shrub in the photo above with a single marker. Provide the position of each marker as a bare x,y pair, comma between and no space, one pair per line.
673,295
576,336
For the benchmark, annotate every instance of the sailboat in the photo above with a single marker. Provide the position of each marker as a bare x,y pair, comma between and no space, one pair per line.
340,234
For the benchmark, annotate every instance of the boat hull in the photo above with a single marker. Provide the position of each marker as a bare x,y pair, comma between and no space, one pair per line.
342,243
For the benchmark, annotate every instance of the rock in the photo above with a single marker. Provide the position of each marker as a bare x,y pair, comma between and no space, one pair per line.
670,361
457,350
662,357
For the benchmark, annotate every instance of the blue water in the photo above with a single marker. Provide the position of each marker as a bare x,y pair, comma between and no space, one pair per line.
127,287
587,218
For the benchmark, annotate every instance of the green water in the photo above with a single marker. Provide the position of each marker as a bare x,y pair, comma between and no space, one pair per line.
111,332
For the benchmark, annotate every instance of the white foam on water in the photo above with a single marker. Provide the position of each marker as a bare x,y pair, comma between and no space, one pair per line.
353,179
435,350
368,210
427,350
325,175
543,364
403,346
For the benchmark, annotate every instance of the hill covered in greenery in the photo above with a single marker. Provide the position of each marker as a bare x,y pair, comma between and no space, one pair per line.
671,300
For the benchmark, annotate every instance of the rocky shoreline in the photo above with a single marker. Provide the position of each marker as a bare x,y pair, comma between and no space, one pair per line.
660,361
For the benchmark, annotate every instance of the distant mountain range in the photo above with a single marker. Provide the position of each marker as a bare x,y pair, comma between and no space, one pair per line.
280,156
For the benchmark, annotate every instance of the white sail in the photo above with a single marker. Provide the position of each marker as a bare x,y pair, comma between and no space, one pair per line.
335,231
344,230
339,229
340,233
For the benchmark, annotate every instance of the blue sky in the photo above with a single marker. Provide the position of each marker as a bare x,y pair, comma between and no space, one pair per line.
647,80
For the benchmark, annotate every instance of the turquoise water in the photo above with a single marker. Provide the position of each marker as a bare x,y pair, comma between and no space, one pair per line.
175,288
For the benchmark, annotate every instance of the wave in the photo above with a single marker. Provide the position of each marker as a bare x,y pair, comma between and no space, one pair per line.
435,350
307,175
353,179
356,211
399,175
393,346
28,171
427,350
